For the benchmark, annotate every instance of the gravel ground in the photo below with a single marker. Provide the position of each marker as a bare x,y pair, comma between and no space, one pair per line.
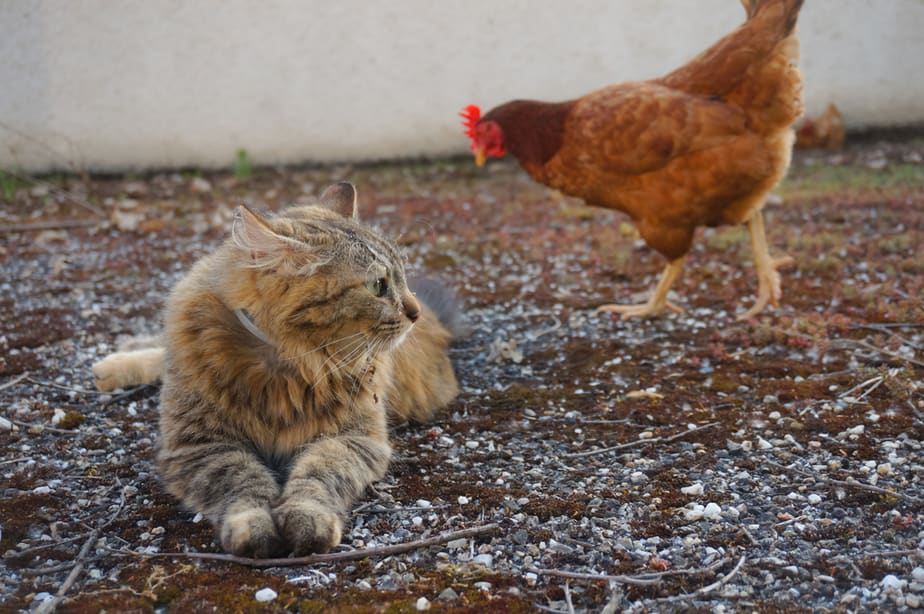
686,463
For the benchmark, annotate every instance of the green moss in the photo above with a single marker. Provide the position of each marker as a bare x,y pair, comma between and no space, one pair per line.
823,179
72,420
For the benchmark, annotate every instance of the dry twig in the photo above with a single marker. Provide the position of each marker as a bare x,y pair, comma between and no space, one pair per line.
705,590
641,442
849,483
51,604
642,579
14,381
332,557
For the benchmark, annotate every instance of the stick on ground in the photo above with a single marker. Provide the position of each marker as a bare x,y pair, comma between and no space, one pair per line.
332,557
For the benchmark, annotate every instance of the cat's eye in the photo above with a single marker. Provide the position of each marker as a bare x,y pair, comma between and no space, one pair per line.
379,287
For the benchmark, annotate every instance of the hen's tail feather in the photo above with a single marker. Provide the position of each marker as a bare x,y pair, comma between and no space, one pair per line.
720,69
790,8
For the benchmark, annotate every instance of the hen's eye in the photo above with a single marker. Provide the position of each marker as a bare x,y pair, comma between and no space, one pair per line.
379,287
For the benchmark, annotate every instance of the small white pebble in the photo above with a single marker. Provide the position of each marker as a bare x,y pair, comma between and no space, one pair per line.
695,489
774,415
198,517
645,435
422,605
41,490
423,503
463,500
917,574
693,513
58,416
417,521
814,499
884,469
265,594
471,444
529,576
747,445
763,444
712,511
892,583
484,559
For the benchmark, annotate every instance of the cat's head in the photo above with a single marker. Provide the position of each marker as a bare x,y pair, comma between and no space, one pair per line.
314,275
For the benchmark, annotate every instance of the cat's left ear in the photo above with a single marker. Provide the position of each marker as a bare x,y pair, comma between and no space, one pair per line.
253,233
341,197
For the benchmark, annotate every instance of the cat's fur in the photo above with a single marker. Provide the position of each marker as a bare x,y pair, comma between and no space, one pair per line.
282,353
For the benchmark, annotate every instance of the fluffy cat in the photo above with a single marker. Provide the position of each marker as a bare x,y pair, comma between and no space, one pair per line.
282,354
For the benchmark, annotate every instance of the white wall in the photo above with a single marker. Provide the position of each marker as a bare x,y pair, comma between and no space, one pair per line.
117,84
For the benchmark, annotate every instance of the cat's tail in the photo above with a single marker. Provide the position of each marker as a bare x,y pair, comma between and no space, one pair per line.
443,302
140,360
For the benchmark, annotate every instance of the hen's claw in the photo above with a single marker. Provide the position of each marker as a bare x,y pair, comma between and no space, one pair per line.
769,286
658,301
642,310
768,278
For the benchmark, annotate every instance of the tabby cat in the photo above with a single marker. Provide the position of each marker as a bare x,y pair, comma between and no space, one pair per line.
282,354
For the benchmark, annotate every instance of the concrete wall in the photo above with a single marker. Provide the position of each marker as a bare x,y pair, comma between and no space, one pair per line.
110,85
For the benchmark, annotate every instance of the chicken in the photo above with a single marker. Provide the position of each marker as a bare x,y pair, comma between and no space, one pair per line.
701,146
825,131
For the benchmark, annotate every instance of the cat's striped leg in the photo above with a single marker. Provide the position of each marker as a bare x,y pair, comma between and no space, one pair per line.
327,476
230,486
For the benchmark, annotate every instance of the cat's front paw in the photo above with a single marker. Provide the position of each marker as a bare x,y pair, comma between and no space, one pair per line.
125,369
308,526
251,532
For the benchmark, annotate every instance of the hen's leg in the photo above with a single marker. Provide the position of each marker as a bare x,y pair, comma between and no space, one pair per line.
658,301
768,278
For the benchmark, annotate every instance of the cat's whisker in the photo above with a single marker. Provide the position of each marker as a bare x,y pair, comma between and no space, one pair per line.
351,350
321,347
348,359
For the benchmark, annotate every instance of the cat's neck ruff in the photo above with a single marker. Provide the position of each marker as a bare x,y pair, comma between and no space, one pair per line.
247,322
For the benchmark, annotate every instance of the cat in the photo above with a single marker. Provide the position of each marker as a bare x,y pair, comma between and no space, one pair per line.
283,354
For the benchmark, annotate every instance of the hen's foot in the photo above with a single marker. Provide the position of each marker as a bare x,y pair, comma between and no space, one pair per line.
768,289
642,310
658,301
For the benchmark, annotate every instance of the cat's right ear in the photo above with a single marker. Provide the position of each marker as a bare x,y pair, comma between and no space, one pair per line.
253,233
341,197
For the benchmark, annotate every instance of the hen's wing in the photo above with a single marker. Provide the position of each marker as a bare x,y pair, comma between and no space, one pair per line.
635,128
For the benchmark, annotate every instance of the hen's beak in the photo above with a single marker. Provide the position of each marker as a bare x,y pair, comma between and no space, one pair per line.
479,156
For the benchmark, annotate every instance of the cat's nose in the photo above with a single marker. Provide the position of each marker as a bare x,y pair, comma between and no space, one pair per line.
411,308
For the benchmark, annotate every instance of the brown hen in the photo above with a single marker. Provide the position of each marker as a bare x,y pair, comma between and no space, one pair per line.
701,146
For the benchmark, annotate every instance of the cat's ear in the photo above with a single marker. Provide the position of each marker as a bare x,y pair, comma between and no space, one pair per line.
252,233
341,197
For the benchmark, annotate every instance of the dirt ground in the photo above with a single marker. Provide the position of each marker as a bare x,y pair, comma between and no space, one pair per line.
686,463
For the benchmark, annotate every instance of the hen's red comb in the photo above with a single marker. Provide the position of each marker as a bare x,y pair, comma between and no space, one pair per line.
470,116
